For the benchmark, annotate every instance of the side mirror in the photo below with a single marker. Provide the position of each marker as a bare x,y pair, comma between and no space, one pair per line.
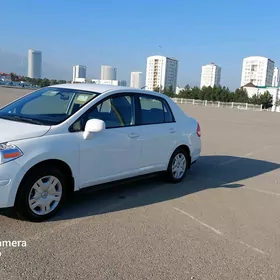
93,126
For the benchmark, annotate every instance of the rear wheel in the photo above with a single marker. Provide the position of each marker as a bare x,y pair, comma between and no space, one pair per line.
41,194
177,166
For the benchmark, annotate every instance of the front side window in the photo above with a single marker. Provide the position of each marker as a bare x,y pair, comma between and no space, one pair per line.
47,106
118,111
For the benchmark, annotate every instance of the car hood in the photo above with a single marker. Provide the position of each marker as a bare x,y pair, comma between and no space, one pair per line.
12,130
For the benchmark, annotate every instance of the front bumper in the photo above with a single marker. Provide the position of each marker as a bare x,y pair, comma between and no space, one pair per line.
10,177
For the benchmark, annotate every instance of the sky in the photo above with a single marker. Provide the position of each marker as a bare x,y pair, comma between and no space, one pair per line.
124,33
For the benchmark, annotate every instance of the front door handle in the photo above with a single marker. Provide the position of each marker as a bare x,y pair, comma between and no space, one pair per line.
172,130
133,135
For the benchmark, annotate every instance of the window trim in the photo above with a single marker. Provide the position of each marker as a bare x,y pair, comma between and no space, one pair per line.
131,94
164,103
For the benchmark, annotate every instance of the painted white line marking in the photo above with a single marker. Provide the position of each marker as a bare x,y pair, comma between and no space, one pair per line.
262,191
224,184
203,224
253,248
246,155
219,232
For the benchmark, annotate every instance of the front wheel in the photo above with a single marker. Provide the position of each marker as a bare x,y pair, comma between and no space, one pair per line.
41,194
177,166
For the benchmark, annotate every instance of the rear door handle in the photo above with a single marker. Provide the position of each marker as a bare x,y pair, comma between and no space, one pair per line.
133,135
172,130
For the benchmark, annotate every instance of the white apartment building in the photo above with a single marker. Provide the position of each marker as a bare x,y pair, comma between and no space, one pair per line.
258,90
161,72
178,89
257,70
136,79
79,80
275,80
34,64
210,75
108,73
109,82
79,73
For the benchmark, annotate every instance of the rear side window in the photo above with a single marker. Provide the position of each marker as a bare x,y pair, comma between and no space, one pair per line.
154,110
167,113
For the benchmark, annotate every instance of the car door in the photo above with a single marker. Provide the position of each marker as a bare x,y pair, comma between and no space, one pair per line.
114,153
159,135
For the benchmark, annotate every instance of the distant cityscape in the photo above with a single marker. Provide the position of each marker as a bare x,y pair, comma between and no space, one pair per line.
259,74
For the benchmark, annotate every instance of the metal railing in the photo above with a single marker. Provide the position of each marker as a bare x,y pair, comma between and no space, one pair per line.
233,105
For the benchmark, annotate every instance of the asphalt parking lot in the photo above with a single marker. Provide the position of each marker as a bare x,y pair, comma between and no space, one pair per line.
221,222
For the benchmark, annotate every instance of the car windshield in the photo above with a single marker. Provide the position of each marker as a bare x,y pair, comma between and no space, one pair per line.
47,106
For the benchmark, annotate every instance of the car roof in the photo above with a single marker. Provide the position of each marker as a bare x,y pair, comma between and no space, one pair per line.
90,87
104,88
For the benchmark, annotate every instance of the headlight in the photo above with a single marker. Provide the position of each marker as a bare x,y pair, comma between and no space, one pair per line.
9,152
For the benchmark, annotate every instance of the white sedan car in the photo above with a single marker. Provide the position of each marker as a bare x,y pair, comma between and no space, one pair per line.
65,138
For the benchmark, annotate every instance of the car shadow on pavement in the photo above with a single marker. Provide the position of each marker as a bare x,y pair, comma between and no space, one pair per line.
208,173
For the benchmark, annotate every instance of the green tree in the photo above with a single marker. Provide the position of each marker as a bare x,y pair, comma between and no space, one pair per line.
266,100
13,77
45,82
241,95
169,91
38,82
156,89
194,93
255,100
185,93
227,96
205,93
53,82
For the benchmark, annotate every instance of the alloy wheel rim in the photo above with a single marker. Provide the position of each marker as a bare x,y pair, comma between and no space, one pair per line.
45,195
179,165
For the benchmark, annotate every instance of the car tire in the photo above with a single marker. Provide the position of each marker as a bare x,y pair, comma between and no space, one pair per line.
41,194
178,166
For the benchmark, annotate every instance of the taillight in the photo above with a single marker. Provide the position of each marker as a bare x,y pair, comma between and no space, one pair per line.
198,132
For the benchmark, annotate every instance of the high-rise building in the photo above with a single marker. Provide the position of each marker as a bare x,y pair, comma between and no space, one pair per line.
108,72
135,79
34,64
161,72
79,72
210,75
275,80
257,70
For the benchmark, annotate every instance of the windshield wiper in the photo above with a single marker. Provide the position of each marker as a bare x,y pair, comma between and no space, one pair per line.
21,119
